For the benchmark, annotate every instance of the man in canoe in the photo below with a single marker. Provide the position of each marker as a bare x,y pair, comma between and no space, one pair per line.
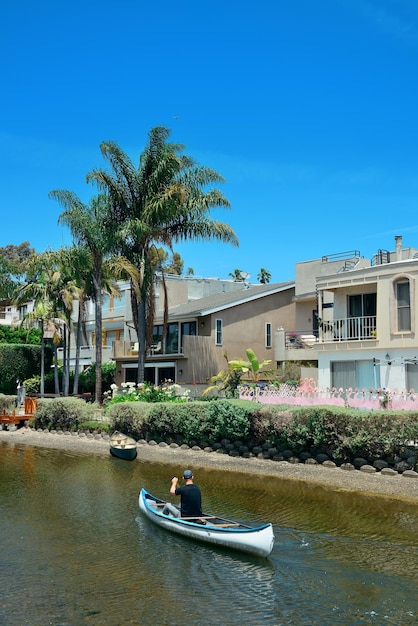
191,497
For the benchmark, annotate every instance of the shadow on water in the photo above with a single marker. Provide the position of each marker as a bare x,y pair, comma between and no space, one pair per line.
75,549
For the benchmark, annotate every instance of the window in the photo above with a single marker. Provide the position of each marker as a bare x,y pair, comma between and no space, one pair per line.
23,311
412,376
268,335
403,305
361,309
218,331
188,328
355,374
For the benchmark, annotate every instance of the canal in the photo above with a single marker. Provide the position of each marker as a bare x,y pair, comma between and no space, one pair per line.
75,550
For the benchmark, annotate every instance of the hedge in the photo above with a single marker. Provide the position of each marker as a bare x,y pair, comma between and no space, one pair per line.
18,362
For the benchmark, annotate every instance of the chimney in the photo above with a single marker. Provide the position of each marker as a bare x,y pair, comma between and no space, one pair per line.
398,242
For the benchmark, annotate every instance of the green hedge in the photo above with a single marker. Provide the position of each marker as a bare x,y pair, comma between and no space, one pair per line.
341,433
65,413
344,434
18,362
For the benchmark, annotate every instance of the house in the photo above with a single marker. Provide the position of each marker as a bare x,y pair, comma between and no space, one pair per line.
362,316
201,331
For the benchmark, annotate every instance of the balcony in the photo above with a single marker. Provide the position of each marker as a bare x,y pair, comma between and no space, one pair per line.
129,349
348,329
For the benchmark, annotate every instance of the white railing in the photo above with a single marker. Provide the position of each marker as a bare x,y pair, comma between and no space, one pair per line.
349,328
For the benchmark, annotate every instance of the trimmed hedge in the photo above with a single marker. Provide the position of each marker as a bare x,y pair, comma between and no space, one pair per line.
66,413
342,434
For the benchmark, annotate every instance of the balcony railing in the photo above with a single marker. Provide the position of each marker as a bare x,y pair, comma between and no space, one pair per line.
341,329
349,329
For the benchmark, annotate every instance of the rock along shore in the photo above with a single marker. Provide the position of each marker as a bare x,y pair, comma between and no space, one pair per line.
397,486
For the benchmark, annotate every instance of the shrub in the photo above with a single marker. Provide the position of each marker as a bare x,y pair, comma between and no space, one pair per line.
223,420
66,413
181,423
129,417
145,392
7,403
32,385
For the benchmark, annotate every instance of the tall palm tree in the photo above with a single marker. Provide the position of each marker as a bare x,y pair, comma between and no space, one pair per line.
90,227
164,200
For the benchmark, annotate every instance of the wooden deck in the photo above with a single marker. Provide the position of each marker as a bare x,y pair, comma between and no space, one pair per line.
16,418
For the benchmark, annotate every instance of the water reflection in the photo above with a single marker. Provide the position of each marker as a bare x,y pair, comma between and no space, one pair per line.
74,550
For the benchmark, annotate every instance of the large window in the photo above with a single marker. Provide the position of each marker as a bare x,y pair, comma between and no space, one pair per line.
172,339
355,374
361,310
403,305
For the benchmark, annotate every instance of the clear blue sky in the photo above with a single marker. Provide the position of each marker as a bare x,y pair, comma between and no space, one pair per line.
308,108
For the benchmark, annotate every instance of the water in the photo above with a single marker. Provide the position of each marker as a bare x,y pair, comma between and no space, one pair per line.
75,551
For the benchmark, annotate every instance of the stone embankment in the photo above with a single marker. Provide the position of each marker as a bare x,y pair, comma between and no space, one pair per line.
403,464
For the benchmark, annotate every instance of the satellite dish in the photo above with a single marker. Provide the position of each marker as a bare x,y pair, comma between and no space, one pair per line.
245,275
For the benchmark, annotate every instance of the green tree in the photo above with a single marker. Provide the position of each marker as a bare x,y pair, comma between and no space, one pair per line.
237,276
52,293
263,276
91,228
12,267
166,199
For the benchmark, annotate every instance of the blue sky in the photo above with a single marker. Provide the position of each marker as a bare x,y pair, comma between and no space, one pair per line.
307,108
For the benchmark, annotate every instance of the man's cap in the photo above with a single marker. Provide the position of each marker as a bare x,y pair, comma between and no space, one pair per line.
188,474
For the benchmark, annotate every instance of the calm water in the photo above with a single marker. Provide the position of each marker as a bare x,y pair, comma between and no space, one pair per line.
75,551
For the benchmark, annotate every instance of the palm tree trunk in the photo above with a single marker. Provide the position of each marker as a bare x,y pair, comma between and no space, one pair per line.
42,386
67,370
56,374
77,345
98,331
142,340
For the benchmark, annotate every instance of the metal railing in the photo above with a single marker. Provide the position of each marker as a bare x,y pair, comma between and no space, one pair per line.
349,329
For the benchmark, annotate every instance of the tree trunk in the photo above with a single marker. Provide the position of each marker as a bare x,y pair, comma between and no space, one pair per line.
142,340
99,337
42,386
77,345
56,375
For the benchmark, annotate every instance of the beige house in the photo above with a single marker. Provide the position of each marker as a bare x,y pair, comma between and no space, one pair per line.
200,331
358,319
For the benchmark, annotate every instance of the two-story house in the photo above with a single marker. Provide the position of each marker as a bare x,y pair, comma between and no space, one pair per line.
202,331
358,319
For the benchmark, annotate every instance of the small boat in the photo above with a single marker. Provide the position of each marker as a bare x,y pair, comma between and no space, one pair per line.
210,528
123,447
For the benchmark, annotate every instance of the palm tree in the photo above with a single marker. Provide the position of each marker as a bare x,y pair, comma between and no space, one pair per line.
237,276
89,225
162,201
263,276
53,295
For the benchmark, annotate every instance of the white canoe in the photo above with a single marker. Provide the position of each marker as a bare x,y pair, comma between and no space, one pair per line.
123,447
209,528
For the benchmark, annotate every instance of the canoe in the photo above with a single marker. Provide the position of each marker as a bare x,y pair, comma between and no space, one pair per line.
123,447
209,528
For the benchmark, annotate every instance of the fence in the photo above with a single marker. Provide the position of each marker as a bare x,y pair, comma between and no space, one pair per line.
307,394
